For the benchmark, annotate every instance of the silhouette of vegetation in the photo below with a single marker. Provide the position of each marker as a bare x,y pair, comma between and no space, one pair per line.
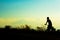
40,29
27,28
7,27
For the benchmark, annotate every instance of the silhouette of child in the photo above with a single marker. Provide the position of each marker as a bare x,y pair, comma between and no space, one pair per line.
49,24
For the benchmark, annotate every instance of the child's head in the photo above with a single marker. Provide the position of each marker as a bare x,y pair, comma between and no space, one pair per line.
48,18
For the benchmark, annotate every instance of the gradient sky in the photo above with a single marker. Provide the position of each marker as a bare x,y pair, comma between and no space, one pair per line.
31,12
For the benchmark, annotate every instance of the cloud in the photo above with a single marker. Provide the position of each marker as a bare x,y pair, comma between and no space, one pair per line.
8,20
30,19
13,20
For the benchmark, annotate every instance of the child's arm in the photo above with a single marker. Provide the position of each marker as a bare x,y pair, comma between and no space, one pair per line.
46,23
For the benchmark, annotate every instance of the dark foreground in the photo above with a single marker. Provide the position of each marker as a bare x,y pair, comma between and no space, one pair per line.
29,34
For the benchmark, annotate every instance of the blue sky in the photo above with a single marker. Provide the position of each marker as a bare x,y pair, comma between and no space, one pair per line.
29,10
24,7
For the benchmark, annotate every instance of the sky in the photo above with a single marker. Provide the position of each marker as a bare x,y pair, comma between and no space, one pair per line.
30,12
